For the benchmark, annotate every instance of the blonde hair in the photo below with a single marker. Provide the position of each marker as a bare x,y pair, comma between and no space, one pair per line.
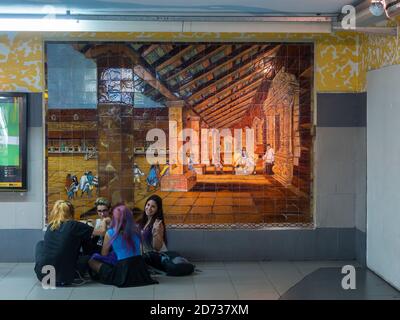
102,202
62,211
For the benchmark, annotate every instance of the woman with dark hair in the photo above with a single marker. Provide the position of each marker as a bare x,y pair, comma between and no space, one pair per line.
152,225
125,268
154,241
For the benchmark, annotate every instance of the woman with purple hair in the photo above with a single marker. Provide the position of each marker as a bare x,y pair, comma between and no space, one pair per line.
124,265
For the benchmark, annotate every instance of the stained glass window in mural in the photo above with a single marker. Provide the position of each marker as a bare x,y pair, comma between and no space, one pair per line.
116,85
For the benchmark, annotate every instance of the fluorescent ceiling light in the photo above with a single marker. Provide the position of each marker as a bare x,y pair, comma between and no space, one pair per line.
73,25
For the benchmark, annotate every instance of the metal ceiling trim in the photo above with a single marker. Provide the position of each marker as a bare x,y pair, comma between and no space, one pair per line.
177,18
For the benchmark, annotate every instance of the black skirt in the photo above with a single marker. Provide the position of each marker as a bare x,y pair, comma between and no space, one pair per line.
130,272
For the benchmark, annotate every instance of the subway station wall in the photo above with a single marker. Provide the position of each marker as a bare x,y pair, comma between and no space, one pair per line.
335,236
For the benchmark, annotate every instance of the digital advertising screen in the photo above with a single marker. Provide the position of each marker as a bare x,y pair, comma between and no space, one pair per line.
12,142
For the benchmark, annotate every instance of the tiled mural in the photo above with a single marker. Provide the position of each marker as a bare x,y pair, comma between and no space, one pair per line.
246,161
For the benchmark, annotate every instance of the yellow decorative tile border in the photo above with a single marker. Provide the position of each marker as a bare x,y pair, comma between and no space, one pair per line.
341,59
337,60
21,62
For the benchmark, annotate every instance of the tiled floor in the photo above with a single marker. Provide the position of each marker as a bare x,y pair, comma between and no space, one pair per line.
215,281
219,199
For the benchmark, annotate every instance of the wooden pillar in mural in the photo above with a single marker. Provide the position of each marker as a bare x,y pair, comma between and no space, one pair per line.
115,149
179,179
115,128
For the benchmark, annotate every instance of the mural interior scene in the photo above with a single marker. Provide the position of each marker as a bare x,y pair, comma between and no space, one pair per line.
247,162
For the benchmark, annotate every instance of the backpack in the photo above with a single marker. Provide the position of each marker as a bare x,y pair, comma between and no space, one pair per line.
171,262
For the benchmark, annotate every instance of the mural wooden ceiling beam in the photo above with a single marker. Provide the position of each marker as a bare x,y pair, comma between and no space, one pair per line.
144,70
218,110
198,58
173,56
223,77
225,61
232,86
231,99
234,109
256,96
186,65
139,65
249,63
233,119
149,49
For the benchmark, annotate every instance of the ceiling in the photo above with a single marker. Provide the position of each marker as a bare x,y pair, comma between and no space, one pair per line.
178,6
218,82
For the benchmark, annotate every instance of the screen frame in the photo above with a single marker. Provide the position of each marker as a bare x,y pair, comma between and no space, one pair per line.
23,139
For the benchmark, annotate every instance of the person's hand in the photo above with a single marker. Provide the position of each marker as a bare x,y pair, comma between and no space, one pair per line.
107,220
157,227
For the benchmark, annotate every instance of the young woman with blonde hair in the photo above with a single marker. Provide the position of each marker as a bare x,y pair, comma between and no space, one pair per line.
62,242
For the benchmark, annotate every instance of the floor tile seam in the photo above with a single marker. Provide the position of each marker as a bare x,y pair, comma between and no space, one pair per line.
270,281
231,281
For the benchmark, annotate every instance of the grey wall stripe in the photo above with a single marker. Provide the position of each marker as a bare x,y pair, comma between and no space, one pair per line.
18,245
35,109
221,245
341,109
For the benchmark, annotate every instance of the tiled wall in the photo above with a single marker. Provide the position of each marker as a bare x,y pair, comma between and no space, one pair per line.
340,59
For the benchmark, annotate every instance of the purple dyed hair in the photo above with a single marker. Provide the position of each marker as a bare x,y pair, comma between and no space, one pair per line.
124,225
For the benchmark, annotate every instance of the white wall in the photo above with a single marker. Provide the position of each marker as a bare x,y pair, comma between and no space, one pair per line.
383,172
340,177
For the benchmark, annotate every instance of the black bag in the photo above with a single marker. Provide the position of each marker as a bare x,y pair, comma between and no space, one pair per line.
171,262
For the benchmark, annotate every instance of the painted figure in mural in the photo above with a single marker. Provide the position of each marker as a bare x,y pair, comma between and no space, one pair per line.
137,173
153,178
83,181
73,187
218,164
86,183
68,181
269,158
90,177
189,161
244,164
165,170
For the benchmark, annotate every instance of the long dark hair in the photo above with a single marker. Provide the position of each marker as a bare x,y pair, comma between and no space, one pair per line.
158,215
